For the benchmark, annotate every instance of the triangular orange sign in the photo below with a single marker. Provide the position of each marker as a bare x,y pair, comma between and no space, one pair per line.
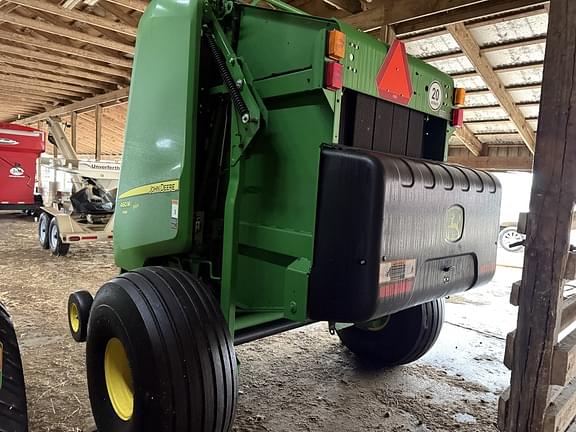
393,80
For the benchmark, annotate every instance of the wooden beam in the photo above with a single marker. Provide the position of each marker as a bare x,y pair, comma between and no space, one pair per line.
77,83
492,48
568,313
561,411
548,228
469,46
91,19
491,107
494,163
95,80
74,129
473,11
564,361
392,11
521,87
138,5
119,13
68,49
480,23
352,6
66,32
84,105
500,69
61,88
98,121
465,135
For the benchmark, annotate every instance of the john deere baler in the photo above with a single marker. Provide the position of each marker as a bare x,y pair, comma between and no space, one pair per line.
279,169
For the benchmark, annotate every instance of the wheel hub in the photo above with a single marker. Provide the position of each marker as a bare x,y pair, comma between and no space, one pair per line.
74,317
119,379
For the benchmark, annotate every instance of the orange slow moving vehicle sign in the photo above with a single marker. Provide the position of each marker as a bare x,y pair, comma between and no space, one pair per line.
393,80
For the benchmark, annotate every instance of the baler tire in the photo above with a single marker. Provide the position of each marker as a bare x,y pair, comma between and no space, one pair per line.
57,246
44,230
13,411
178,358
407,336
79,305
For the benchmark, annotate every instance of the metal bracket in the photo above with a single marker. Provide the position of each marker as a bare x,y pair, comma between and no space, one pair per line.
247,98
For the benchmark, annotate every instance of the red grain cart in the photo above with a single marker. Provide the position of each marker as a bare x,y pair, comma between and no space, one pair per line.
20,147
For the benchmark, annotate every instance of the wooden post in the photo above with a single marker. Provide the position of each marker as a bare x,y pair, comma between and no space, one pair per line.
74,134
387,34
549,222
98,115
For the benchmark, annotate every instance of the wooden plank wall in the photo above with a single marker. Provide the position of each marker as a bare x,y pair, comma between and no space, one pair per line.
537,359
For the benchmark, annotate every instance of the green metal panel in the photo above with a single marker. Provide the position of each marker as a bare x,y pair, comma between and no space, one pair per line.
364,57
277,198
155,204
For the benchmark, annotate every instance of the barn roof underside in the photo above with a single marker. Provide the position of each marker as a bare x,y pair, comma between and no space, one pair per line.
59,56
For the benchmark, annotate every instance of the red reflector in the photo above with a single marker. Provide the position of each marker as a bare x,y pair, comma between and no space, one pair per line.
90,238
333,76
395,289
458,118
73,238
393,80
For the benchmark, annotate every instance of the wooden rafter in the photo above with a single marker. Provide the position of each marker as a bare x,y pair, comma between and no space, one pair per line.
119,13
472,11
392,11
77,16
54,77
68,49
66,32
495,163
469,140
58,71
536,40
86,104
469,46
138,5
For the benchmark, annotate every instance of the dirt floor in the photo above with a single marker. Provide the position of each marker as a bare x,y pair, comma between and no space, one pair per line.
303,380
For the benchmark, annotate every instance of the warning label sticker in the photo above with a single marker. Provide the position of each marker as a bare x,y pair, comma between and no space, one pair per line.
174,215
397,277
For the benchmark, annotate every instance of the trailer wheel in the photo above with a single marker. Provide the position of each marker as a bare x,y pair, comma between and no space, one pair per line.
57,246
398,339
13,412
43,230
159,355
509,236
79,305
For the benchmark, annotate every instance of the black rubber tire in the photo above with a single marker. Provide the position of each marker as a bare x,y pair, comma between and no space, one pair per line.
43,230
408,335
57,246
82,300
13,411
180,352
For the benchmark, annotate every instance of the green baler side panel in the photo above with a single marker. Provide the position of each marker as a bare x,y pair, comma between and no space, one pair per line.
278,197
365,56
154,216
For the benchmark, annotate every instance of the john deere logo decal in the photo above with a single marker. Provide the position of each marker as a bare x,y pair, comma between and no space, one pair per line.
8,141
454,223
16,171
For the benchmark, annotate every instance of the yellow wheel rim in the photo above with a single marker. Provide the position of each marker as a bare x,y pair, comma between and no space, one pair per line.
119,379
74,317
